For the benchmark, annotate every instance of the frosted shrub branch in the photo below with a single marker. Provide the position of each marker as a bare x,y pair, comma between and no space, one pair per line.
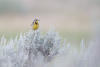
30,48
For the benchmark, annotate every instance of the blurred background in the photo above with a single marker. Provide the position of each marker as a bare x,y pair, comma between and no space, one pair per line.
73,19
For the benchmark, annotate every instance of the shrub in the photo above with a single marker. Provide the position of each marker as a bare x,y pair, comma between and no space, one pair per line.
30,49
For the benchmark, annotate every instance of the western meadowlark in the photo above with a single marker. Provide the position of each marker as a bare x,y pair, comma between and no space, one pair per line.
35,24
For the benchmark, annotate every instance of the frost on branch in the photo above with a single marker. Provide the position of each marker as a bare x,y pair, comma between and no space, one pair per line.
37,47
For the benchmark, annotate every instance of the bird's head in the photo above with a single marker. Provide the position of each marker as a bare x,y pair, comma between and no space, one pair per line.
35,21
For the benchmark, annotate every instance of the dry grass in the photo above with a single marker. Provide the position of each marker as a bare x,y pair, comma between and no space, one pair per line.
17,22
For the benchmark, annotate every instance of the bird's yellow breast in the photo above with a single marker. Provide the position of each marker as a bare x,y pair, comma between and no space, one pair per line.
35,26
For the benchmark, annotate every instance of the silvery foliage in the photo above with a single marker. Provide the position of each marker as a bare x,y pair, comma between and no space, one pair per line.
30,49
35,50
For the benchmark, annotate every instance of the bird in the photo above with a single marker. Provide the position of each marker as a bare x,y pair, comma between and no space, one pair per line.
35,24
